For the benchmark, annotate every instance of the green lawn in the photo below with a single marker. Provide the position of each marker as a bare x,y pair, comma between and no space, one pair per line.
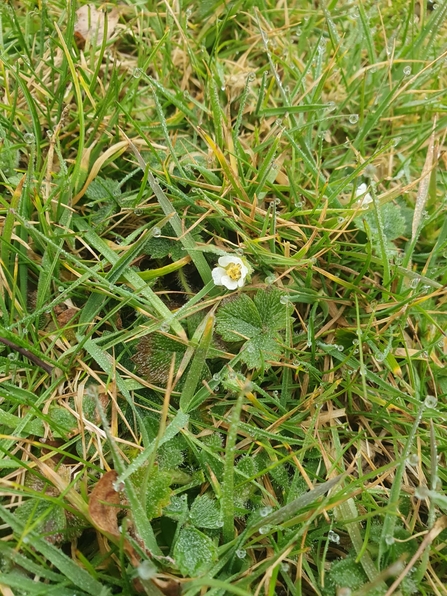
223,264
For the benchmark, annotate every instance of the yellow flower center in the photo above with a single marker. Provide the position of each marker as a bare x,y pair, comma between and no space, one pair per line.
234,271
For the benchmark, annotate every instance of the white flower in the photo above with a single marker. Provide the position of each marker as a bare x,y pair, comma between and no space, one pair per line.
365,200
230,273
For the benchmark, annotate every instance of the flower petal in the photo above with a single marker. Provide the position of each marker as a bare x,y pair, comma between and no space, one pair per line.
361,189
218,273
229,283
225,261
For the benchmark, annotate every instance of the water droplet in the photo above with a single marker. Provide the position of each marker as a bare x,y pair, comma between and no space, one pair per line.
413,459
340,219
137,72
389,540
251,77
414,283
241,553
216,377
355,342
264,529
396,141
118,486
138,212
264,511
284,299
298,204
11,356
340,348
239,251
333,537
60,289
421,492
146,570
407,71
49,133
276,394
285,566
430,401
270,279
156,232
164,327
353,118
277,201
28,137
222,88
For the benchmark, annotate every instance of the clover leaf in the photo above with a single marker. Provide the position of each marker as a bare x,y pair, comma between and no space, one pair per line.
257,323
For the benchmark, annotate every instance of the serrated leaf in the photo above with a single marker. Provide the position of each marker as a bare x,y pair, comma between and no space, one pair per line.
238,319
158,492
259,349
48,520
272,311
194,552
205,513
154,355
257,321
178,508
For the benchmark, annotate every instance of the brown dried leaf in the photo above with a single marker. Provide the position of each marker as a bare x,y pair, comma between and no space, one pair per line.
91,23
104,504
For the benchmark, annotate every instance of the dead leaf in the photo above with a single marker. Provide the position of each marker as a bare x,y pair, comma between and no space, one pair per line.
104,504
91,24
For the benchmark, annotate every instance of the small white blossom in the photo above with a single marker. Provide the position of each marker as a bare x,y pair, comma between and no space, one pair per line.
365,200
230,273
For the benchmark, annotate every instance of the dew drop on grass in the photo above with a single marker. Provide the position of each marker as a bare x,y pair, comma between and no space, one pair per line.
331,106
389,540
413,459
340,348
285,567
414,283
165,327
216,377
270,279
60,289
118,486
407,71
11,356
156,232
430,401
28,137
241,553
353,118
284,299
138,212
264,511
251,77
264,529
333,537
146,570
137,72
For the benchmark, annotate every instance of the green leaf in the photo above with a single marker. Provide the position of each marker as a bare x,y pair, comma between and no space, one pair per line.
271,310
194,552
205,513
46,519
101,189
238,319
257,321
158,492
